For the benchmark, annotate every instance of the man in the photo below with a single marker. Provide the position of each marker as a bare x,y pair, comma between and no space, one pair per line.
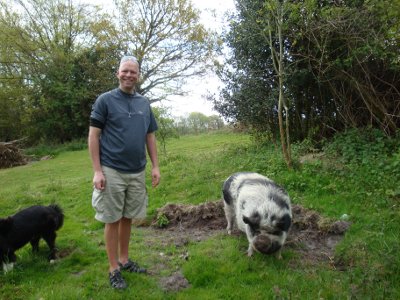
122,126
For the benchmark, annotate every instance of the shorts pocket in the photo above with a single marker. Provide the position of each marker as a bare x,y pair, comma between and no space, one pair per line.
97,200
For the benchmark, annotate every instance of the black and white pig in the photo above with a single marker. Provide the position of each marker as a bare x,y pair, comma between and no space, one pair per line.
261,209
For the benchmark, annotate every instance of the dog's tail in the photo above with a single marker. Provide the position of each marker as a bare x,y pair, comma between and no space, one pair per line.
58,217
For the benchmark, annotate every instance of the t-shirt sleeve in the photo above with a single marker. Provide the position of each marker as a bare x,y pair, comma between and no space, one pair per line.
99,110
96,123
153,123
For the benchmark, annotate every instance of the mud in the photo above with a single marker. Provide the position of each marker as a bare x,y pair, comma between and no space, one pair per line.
311,236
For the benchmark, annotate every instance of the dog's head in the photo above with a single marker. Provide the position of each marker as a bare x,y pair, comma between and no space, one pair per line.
5,225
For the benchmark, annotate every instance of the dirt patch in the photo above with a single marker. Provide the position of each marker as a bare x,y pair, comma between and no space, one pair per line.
312,236
204,217
175,282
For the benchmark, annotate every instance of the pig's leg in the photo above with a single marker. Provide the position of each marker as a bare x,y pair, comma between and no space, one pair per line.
250,238
278,254
230,215
250,250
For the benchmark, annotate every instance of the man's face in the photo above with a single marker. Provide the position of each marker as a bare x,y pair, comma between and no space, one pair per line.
128,75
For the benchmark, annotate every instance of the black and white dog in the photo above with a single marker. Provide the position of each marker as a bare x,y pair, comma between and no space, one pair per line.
29,225
261,209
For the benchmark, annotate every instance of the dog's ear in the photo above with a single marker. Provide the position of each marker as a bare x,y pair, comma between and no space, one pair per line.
5,225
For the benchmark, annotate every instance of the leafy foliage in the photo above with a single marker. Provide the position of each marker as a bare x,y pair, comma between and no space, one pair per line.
363,146
197,122
41,150
58,56
169,41
166,129
48,64
342,67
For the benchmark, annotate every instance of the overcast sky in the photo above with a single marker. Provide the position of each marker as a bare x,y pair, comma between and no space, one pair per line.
212,15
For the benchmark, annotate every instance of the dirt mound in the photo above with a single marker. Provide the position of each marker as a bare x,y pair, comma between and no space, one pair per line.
311,235
209,216
11,155
314,236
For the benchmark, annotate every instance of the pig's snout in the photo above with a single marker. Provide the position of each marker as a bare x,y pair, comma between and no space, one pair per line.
264,244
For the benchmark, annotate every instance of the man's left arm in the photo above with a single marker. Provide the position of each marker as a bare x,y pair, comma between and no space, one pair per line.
152,151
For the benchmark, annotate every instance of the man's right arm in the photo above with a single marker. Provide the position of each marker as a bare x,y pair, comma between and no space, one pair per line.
94,151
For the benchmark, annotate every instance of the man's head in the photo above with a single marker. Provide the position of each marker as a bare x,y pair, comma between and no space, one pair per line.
128,74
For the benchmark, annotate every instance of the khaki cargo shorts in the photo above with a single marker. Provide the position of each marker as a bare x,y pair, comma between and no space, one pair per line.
124,196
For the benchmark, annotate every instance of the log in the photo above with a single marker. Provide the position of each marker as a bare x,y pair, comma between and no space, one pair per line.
11,155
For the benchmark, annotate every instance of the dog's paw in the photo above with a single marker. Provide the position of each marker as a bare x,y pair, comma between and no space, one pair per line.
8,267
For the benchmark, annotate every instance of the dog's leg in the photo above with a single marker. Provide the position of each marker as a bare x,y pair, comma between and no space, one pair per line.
8,261
35,244
50,239
7,267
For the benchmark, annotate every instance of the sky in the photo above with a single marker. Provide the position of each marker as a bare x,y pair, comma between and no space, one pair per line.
212,16
212,12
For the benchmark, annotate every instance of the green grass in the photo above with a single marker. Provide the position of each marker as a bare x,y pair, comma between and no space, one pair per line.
193,169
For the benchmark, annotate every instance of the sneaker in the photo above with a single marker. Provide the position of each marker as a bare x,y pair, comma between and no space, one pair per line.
132,267
116,280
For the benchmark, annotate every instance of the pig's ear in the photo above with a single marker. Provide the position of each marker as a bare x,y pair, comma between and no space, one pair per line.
284,222
253,221
5,225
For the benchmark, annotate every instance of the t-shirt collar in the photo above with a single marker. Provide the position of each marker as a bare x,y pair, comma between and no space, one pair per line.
127,94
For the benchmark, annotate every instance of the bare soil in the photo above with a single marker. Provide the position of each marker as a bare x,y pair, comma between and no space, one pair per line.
311,236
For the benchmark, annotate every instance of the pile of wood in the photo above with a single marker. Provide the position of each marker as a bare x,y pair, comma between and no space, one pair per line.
11,155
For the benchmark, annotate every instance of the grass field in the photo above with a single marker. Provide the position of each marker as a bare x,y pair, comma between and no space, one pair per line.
193,169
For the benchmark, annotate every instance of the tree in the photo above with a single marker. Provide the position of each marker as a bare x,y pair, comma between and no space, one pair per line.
197,122
48,42
274,36
166,128
341,67
170,43
352,48
58,56
214,122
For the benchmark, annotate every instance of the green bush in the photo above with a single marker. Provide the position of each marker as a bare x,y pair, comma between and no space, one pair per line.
53,150
362,146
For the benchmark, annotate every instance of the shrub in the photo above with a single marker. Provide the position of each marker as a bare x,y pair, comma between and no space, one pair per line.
362,146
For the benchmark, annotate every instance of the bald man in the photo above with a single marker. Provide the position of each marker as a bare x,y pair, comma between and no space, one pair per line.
122,128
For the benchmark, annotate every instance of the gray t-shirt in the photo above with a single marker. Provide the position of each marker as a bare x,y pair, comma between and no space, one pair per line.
126,120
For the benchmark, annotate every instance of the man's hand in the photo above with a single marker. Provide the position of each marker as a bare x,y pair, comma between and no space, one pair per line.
155,176
99,181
